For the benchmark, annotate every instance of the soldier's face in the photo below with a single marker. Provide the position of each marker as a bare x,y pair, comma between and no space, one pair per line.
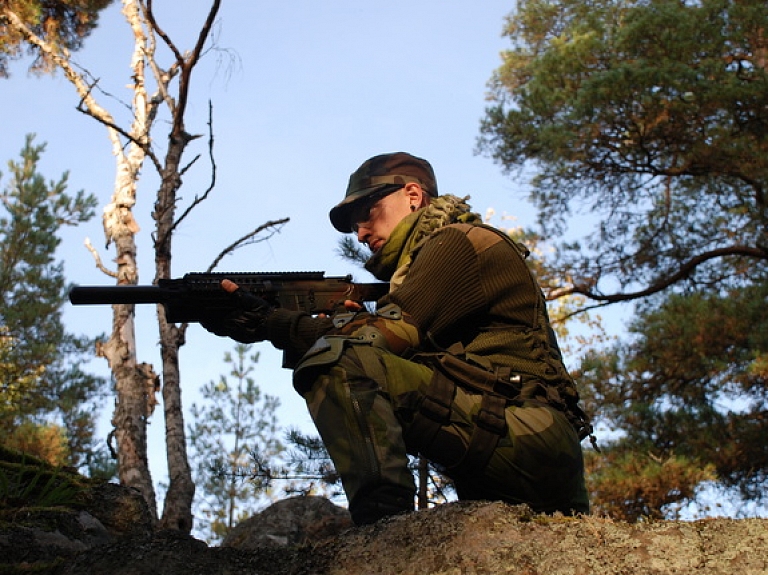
375,223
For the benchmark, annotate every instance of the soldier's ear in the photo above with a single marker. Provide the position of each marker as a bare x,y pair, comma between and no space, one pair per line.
416,195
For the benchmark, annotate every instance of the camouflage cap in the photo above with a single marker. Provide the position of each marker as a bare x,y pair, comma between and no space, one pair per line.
376,175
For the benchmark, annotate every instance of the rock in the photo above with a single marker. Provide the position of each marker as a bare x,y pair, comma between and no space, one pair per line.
49,515
46,536
121,510
104,529
485,537
295,521
461,538
161,553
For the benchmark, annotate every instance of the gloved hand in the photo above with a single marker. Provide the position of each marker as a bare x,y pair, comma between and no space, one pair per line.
245,323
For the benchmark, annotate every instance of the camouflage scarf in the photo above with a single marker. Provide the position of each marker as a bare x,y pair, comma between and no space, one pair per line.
393,261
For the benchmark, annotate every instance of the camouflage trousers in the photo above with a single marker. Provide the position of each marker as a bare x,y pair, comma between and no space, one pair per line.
363,401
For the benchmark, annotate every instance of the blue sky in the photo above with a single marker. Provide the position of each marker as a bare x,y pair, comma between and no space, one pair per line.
302,93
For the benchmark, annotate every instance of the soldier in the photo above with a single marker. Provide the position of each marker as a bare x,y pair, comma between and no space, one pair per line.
458,364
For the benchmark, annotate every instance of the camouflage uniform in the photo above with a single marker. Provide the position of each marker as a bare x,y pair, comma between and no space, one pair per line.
459,364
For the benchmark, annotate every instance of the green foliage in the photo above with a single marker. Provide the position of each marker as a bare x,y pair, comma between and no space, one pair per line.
689,386
48,442
307,460
349,249
236,421
62,23
42,379
648,120
304,468
633,486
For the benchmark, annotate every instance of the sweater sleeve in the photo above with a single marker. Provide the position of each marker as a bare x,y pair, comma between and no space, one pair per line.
295,332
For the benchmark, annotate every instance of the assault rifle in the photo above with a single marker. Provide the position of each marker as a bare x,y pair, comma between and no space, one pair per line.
198,296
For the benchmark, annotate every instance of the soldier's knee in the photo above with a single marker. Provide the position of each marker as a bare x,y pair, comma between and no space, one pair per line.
358,357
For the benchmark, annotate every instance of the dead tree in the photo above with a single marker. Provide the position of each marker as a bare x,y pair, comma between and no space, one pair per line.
136,382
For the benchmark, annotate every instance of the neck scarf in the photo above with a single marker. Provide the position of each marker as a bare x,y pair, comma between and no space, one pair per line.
393,261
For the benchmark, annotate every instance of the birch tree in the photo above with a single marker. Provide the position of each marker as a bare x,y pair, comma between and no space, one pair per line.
156,89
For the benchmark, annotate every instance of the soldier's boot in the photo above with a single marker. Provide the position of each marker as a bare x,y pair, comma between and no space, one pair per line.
378,501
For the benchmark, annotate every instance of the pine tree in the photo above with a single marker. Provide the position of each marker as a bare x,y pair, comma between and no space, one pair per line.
64,23
689,392
235,422
645,123
48,401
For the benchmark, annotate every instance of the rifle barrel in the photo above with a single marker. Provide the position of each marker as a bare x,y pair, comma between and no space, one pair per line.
81,295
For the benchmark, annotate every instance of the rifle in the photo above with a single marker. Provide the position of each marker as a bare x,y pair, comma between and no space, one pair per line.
198,296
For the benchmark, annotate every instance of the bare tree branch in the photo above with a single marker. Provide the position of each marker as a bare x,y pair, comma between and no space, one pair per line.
212,184
162,77
97,259
109,123
186,62
150,15
586,288
249,239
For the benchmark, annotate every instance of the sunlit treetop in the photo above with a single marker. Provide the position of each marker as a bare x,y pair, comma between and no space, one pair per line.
646,122
63,23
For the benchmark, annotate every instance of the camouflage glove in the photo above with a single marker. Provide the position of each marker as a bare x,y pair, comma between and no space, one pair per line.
245,322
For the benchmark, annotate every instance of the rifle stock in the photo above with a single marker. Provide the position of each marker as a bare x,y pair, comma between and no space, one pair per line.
197,296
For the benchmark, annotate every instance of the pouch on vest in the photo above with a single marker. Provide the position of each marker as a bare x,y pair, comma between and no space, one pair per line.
428,432
500,381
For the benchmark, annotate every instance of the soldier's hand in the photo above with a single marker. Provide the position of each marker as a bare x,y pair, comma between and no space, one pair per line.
348,305
245,322
351,305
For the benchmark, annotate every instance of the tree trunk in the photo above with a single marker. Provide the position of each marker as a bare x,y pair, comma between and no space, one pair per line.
134,382
177,510
423,489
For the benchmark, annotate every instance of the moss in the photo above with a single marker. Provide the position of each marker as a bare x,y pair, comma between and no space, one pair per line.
27,481
556,519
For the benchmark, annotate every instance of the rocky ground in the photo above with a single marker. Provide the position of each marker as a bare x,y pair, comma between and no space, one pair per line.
106,531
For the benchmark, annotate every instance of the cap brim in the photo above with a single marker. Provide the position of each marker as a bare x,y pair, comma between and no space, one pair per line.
340,214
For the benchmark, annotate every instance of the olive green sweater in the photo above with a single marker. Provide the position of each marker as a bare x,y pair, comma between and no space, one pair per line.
462,286
455,282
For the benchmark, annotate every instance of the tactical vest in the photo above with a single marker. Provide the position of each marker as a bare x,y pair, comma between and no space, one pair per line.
515,378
